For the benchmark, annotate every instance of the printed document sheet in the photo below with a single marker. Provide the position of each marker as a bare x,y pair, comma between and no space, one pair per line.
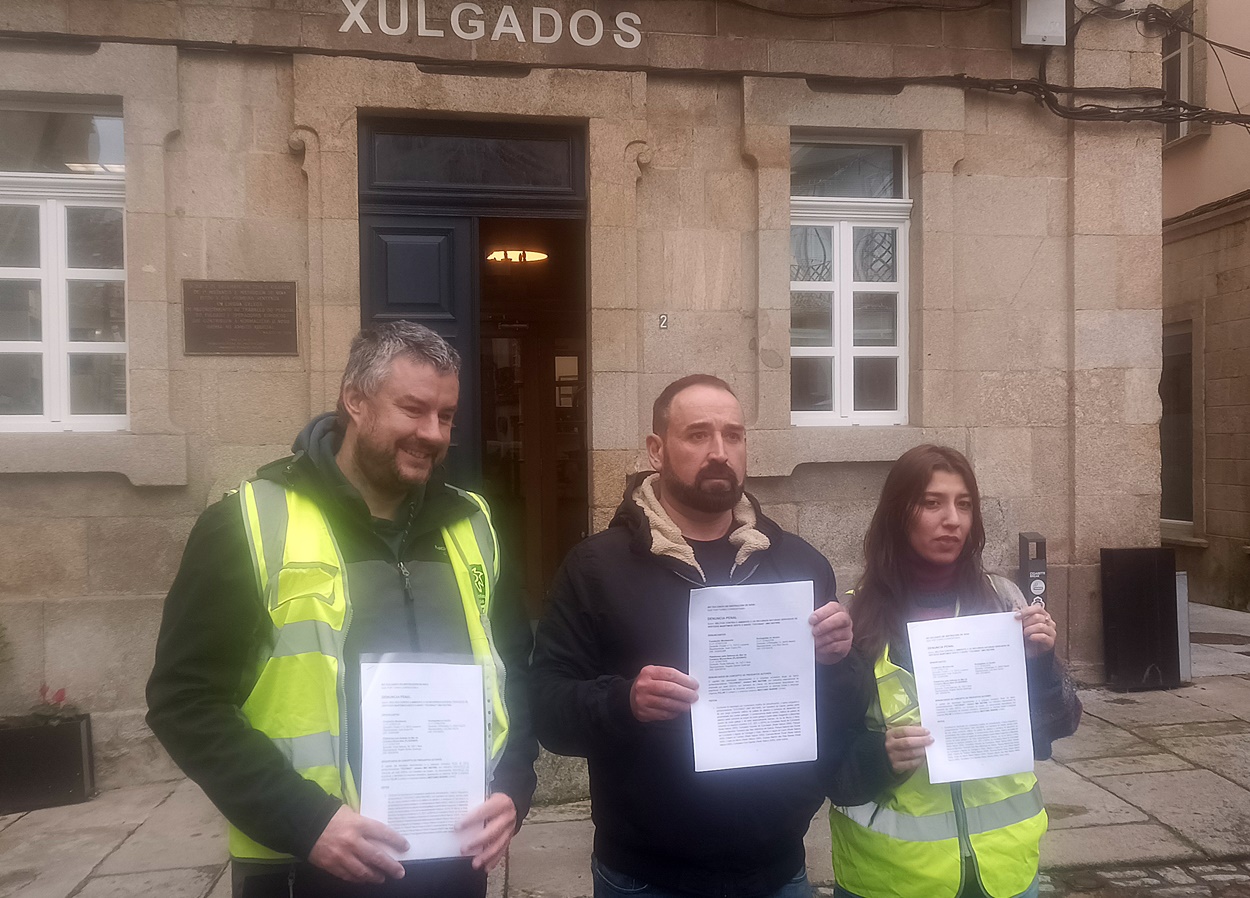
754,657
424,750
974,695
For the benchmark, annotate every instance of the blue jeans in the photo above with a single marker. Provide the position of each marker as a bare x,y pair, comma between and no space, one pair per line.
611,884
1030,892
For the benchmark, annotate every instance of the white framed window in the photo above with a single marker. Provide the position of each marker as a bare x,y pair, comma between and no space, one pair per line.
1178,73
63,344
849,219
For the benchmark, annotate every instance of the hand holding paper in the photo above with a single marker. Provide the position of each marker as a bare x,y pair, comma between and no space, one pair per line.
662,693
752,649
424,757
973,694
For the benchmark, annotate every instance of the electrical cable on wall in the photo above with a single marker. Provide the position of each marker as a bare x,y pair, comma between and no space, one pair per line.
1164,110
878,7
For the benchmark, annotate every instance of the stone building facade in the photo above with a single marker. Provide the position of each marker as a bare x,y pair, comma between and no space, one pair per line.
1206,308
1018,311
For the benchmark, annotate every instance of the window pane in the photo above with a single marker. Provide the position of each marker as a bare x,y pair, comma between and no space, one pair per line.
21,383
97,311
1172,77
94,237
19,236
876,319
875,254
97,384
876,385
466,161
21,311
811,385
811,319
62,142
811,254
1176,428
851,171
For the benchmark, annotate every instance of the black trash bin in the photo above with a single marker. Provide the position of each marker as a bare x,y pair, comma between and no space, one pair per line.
1140,639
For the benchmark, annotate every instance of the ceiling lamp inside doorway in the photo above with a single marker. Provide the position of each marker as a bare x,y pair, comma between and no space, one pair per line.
516,255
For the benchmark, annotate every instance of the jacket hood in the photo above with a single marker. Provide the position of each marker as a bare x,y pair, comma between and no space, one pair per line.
313,469
654,532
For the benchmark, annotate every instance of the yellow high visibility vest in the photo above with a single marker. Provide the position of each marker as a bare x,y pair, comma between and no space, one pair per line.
298,699
910,842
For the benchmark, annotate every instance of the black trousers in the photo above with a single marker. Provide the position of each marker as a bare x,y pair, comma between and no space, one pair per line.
422,879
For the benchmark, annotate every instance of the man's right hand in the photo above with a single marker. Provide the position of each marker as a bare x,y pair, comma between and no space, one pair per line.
351,847
662,693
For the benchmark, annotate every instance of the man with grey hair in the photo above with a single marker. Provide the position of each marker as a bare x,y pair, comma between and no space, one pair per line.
352,547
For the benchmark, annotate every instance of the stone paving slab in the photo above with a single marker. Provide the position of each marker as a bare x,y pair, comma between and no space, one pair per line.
1231,694
1217,661
1160,763
7,819
1185,730
222,889
184,883
1116,844
558,813
184,831
551,860
1229,756
1134,709
819,849
1209,619
121,809
1098,739
49,864
1206,809
1073,802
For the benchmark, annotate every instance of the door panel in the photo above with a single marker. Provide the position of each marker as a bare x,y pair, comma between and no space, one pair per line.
420,268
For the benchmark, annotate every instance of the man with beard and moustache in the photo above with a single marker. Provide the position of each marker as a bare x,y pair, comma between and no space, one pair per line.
609,682
353,546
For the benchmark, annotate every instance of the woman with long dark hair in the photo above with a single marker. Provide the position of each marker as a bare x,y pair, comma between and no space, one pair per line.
917,839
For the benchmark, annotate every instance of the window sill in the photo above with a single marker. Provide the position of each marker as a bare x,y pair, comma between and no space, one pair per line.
1180,533
776,453
146,459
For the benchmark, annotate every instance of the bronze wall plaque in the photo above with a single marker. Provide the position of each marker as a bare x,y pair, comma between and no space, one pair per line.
239,318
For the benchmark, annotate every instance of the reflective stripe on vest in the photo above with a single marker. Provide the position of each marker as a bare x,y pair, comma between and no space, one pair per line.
906,845
298,695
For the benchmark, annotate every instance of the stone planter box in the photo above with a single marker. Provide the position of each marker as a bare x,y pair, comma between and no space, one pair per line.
47,762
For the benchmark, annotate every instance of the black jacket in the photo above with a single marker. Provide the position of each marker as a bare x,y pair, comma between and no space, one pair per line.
215,627
617,606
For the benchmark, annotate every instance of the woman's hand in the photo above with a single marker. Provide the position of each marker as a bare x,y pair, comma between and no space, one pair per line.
1039,630
905,747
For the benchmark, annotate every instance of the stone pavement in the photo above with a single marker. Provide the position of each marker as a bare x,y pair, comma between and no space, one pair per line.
1150,798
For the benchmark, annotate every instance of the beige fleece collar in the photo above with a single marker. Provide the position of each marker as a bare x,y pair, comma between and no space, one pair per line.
666,538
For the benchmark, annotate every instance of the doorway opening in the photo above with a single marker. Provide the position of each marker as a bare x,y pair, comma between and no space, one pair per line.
437,199
533,390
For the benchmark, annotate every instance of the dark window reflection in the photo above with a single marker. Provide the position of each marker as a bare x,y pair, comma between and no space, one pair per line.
21,310
811,319
61,142
1176,428
19,236
21,383
97,384
850,171
94,237
876,385
461,161
97,311
811,385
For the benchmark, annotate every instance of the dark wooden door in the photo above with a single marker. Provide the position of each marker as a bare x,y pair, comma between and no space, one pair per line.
421,268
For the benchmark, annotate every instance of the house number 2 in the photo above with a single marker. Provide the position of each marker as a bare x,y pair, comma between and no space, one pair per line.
663,322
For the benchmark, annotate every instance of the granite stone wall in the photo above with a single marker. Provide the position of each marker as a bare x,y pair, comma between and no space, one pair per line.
1034,300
